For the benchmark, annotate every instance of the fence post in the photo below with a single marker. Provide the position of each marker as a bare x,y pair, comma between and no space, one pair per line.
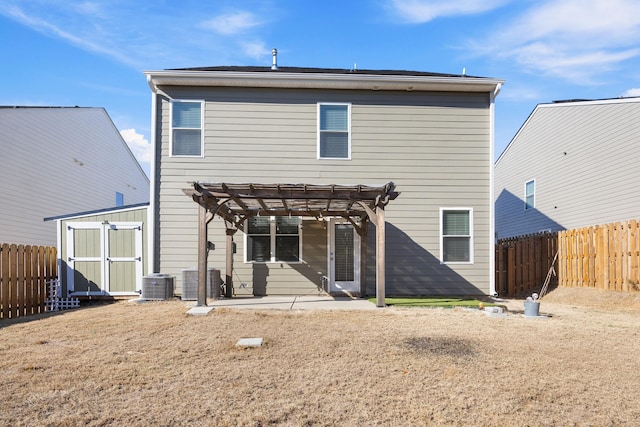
624,255
633,254
582,279
561,255
499,259
4,279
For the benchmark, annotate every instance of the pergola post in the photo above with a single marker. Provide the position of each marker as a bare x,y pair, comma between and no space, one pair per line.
380,257
202,256
228,280
377,217
363,257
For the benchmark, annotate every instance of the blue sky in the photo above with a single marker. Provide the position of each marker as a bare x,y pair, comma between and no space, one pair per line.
93,53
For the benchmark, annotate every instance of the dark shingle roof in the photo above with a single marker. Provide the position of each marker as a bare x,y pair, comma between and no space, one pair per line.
308,70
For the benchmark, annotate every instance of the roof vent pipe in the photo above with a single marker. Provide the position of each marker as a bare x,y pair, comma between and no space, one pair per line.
274,65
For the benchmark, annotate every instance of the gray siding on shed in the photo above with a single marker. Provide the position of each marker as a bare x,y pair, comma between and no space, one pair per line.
76,158
434,146
584,158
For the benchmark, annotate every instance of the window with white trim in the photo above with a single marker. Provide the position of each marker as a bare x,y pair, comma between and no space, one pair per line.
186,128
456,235
530,194
334,131
273,239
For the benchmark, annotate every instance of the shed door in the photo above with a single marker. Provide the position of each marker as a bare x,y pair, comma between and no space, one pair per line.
85,258
104,258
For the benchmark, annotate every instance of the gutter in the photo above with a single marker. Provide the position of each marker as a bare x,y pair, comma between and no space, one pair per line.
353,81
151,212
492,204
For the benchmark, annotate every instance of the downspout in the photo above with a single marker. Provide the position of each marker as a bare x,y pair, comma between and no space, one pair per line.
59,260
153,263
492,206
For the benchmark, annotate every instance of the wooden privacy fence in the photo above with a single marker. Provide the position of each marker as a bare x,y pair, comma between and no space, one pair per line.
604,257
24,272
522,263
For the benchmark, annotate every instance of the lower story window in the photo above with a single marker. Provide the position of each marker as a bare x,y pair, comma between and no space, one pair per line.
456,236
273,239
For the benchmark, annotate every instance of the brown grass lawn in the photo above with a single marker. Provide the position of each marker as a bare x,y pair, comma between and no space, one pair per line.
151,364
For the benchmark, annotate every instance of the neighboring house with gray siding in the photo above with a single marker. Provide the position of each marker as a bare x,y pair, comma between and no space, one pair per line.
430,134
75,158
571,164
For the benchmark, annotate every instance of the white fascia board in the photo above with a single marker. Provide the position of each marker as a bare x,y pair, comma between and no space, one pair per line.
560,104
355,81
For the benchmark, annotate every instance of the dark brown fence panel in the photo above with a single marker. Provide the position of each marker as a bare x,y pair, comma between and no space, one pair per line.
522,263
603,256
24,273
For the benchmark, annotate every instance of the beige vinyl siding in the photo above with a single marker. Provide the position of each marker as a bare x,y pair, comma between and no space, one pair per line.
595,182
75,158
434,146
304,278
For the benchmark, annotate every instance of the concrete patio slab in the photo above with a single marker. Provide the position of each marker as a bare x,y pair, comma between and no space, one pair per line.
294,303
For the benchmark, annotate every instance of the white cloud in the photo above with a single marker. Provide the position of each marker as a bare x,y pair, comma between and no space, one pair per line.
90,8
232,23
84,41
632,92
131,35
576,40
139,146
592,22
421,11
257,50
575,64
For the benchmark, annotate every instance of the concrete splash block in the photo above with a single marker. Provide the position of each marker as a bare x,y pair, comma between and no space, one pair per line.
199,311
495,311
249,342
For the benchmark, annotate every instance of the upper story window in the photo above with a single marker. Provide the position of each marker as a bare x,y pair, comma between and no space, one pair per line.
334,131
273,239
186,128
119,199
530,194
456,235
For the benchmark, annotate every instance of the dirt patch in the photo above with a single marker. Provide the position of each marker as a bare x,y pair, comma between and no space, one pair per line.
151,364
452,347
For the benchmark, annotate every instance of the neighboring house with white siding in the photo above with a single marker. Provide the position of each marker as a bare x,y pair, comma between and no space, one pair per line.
572,164
255,131
76,160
